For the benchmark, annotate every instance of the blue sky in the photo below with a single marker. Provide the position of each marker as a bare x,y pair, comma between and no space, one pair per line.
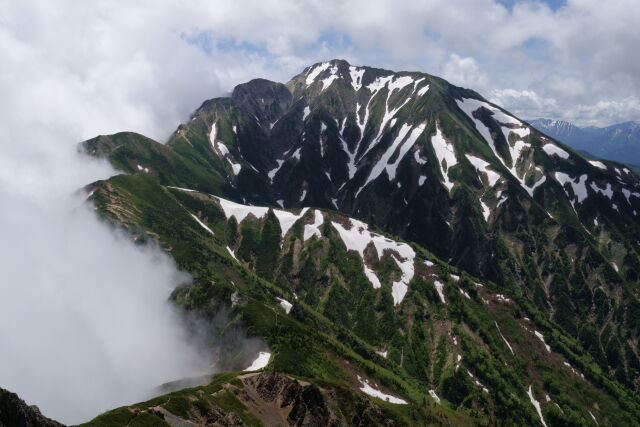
553,4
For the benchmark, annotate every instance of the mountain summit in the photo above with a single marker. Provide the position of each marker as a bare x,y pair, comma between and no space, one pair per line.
291,195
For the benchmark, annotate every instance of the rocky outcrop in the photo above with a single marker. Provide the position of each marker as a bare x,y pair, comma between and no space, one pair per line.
305,403
14,412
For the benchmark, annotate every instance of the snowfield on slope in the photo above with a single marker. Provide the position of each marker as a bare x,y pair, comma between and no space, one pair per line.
358,237
371,391
446,155
505,121
260,362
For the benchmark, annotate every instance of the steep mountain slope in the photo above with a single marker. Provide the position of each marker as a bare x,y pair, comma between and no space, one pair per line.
359,314
619,142
535,307
437,165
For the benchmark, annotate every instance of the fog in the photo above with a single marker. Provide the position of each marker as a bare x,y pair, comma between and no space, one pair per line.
85,325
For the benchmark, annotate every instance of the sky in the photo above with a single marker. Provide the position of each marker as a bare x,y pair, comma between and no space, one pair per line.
75,295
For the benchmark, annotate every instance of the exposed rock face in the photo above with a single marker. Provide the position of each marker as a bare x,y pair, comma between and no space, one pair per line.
305,402
266,100
14,412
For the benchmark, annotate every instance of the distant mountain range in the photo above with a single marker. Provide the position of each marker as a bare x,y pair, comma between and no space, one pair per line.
619,142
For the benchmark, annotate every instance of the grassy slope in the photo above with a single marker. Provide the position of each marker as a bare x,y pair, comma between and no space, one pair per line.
315,341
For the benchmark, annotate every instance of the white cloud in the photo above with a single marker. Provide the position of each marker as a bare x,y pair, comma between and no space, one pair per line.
604,112
524,103
464,72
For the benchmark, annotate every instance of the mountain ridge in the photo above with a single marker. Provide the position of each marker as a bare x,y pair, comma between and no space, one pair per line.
409,155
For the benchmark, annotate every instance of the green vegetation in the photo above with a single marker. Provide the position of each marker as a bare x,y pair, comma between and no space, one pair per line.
535,264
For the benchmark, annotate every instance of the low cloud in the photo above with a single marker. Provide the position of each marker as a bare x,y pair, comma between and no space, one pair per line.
525,103
464,72
85,322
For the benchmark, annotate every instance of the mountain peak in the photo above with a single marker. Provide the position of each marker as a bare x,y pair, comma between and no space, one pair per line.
357,76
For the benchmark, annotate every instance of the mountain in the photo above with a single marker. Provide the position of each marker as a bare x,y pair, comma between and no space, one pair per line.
619,142
393,234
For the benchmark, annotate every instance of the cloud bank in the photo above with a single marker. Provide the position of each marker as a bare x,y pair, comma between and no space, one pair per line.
161,60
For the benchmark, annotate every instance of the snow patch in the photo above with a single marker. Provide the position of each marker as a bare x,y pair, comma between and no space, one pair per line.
287,219
433,394
446,156
578,185
356,77
222,148
314,229
233,254
503,338
296,154
403,142
598,164
502,298
468,106
315,72
323,128
212,136
240,212
358,237
286,305
235,167
607,192
541,338
392,85
440,289
554,150
332,77
419,160
305,113
184,189
482,166
202,224
272,173
486,212
368,389
261,361
371,275
536,405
